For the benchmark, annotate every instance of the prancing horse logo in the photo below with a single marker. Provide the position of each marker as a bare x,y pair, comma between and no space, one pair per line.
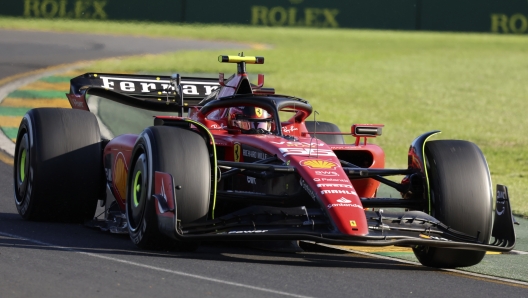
236,151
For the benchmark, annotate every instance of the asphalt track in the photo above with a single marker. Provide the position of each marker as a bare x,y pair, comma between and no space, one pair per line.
68,260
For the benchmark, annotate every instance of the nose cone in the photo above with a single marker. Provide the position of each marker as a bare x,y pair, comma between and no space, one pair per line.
326,182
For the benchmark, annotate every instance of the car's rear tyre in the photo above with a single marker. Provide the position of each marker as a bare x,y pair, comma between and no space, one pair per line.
320,126
183,154
58,173
461,197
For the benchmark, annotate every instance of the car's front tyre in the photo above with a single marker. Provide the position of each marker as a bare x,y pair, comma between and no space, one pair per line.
461,197
183,154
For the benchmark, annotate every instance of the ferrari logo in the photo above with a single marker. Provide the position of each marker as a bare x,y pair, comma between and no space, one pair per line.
353,223
236,152
258,112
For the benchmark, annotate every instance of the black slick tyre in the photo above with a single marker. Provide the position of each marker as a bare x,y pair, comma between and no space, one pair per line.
58,172
461,197
183,154
320,126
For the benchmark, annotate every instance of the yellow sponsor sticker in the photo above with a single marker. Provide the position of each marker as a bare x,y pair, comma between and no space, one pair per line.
318,164
237,152
258,112
353,223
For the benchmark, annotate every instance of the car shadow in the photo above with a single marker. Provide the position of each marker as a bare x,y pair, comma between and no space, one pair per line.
21,234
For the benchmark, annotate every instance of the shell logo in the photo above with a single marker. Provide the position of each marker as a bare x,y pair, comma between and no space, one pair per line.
318,164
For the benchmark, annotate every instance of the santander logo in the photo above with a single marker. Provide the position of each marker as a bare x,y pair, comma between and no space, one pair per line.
344,201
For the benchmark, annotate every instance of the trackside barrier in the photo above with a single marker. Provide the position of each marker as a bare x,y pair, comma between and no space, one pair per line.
497,16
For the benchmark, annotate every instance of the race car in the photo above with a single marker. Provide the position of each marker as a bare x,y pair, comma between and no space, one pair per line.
237,161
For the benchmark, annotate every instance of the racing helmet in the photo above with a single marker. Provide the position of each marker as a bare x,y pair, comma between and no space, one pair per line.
249,117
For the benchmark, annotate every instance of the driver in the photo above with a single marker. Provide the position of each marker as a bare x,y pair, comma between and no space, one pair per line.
250,120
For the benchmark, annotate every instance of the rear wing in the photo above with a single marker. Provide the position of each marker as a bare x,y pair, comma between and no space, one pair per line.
157,93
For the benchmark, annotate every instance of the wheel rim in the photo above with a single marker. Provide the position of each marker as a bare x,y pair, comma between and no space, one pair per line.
136,187
22,171
138,190
22,165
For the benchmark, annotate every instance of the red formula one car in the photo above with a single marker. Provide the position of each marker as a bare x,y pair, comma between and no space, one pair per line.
245,164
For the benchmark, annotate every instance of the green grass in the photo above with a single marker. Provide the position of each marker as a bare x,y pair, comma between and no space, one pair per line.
469,86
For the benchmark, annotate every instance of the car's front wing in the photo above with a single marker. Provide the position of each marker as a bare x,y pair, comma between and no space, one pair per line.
411,228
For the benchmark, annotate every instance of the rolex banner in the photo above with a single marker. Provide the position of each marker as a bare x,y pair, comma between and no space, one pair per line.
497,16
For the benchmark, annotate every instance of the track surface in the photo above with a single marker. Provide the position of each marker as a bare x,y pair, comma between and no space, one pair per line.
67,260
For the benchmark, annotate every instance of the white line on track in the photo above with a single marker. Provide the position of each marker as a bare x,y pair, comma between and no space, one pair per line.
516,252
482,276
225,282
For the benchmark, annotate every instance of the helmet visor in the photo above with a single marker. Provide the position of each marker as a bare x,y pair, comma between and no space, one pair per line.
248,124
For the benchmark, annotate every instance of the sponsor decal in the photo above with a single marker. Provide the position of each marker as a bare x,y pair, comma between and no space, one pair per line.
148,85
251,180
77,101
307,188
330,180
326,173
248,232
258,112
344,201
330,206
289,129
499,213
318,164
216,126
120,175
515,23
68,9
353,223
338,191
237,152
334,185
294,16
254,154
298,144
306,151
245,191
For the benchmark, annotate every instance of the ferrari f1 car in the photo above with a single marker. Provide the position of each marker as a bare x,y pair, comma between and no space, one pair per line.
239,162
